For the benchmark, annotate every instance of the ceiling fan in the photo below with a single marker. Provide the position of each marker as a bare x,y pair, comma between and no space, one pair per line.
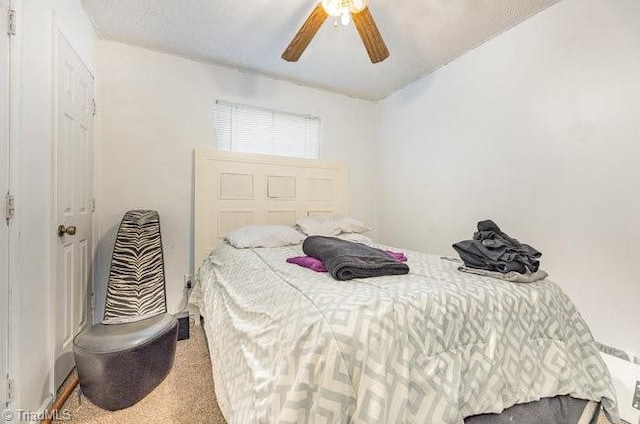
346,10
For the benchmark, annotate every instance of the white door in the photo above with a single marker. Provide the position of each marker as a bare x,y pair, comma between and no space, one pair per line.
73,131
4,188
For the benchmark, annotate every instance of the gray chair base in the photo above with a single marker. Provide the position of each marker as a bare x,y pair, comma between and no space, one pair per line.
119,364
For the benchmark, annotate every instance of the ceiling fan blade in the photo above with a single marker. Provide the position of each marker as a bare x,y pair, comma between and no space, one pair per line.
370,36
305,34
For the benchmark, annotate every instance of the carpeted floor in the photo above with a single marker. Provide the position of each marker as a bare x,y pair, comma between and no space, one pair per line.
185,396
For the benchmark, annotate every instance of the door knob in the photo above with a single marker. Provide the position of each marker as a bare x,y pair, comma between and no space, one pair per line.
70,230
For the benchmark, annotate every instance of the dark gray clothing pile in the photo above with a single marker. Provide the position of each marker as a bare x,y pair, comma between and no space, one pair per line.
346,260
493,250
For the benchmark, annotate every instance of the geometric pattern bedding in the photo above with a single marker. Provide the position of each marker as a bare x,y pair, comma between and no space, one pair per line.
290,345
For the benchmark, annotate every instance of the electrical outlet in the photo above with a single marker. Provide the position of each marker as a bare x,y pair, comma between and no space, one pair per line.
636,396
188,278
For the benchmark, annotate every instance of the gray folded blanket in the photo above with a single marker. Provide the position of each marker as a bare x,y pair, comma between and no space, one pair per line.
346,260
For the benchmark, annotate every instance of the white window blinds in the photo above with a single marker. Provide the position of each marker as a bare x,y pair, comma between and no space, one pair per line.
248,129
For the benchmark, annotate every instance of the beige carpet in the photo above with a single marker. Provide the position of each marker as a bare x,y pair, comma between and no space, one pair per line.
185,396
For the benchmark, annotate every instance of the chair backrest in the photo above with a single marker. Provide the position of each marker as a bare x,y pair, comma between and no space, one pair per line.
136,278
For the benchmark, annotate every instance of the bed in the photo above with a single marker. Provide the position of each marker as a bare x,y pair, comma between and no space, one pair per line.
434,346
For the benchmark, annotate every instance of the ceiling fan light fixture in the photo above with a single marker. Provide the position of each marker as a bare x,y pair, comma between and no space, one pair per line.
343,7
348,10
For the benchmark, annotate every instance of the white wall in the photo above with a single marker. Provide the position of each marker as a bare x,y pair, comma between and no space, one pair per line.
538,129
155,108
31,352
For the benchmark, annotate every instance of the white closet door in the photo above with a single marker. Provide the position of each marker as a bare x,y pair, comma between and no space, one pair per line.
4,188
74,174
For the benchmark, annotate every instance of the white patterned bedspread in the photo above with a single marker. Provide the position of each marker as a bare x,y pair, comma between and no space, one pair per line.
289,345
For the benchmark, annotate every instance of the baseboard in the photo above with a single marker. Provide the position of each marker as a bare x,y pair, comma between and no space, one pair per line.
41,413
46,404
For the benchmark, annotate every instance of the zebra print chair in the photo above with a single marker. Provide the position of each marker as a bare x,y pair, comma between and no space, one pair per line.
123,358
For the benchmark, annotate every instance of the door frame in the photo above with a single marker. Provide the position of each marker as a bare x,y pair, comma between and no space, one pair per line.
15,43
5,160
59,31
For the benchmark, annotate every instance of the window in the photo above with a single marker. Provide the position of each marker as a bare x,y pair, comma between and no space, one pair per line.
248,129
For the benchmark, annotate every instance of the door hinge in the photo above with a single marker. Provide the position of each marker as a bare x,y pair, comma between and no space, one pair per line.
11,390
92,204
12,22
93,105
93,301
10,207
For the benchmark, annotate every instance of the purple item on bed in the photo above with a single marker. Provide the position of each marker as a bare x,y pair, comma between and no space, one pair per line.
308,262
398,256
317,265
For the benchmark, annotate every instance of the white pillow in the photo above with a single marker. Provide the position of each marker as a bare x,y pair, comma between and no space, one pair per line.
330,225
264,236
356,238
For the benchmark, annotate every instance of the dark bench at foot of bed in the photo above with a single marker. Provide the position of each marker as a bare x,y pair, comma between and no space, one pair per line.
555,410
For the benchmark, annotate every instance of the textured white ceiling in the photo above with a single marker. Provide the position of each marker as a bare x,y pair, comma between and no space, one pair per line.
421,35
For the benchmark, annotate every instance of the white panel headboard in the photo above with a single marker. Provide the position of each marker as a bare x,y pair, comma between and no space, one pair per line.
236,189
